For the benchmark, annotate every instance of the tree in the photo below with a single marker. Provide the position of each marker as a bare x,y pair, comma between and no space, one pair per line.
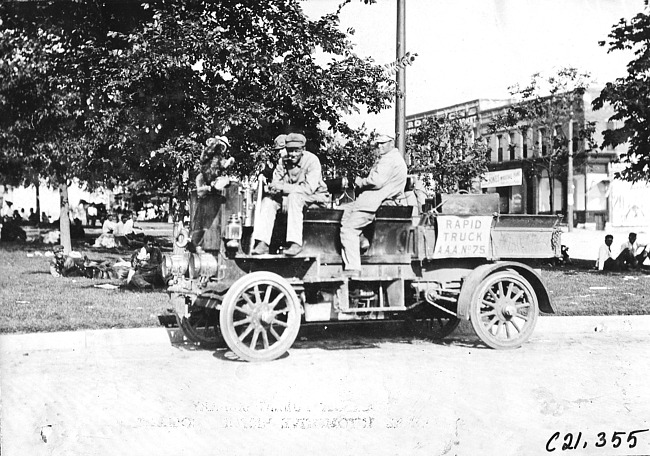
630,97
545,107
45,121
444,153
85,96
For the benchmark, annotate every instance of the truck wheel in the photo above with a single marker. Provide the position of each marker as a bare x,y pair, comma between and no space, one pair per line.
504,310
260,316
202,328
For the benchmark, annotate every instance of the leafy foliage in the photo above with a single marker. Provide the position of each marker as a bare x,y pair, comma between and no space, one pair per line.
92,98
630,96
545,106
443,152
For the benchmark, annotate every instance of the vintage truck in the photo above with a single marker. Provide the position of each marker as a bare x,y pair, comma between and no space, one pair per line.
462,260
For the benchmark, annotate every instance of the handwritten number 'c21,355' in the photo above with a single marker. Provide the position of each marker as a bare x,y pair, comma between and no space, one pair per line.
573,442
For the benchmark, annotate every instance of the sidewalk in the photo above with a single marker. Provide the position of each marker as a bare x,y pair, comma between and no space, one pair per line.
78,340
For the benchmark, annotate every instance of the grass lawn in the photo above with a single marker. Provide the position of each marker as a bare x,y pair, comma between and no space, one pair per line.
32,300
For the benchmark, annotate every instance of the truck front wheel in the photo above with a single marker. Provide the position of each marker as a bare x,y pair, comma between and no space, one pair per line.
504,310
260,316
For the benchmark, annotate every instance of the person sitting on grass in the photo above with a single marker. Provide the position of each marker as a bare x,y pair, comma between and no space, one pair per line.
606,261
107,238
631,256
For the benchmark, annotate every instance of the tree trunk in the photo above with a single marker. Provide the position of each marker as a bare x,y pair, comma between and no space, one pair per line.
64,219
38,200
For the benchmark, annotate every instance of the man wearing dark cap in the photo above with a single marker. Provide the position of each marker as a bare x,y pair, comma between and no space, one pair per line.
385,183
297,182
279,152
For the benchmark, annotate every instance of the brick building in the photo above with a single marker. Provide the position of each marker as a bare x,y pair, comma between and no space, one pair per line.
524,192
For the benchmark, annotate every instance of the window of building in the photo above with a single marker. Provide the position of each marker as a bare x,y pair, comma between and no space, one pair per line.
543,141
524,143
511,146
499,148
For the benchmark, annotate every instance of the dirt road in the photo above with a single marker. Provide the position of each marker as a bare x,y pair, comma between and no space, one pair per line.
343,396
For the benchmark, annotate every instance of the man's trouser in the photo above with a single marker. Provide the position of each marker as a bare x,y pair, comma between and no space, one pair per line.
628,257
352,223
295,202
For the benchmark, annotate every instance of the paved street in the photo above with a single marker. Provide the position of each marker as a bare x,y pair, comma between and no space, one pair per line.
132,392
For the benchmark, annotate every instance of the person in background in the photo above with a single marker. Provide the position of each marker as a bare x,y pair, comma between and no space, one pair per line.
107,238
92,214
33,217
606,260
214,162
630,255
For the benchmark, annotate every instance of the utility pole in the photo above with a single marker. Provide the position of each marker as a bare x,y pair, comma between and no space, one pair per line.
400,89
569,177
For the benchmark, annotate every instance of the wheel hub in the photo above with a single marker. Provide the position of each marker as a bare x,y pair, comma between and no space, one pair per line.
508,311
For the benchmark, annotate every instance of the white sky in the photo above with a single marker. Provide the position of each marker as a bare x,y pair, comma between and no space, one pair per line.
469,49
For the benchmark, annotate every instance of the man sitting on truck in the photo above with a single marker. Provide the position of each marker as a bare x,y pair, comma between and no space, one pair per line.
297,182
384,185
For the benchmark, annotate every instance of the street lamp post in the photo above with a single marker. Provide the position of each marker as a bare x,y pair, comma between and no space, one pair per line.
400,90
569,177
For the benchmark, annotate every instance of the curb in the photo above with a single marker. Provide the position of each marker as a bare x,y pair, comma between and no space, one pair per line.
107,338
77,340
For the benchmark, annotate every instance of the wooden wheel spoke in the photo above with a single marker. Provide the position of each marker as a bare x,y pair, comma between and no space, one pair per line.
510,287
489,304
278,312
256,291
501,294
256,335
519,295
491,322
246,332
275,321
507,329
267,295
523,305
243,310
274,332
517,327
277,299
265,339
248,300
242,322
494,296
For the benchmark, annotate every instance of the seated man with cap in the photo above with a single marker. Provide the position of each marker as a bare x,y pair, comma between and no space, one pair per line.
385,182
297,182
279,152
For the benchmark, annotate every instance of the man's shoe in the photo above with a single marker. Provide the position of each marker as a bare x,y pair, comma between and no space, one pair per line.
262,248
351,273
293,250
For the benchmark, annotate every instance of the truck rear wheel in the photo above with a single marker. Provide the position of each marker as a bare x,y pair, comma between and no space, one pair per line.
260,316
504,310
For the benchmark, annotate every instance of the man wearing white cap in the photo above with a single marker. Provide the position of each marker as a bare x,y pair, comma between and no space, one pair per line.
385,182
297,182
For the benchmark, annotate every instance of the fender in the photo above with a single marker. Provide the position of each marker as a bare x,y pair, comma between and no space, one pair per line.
475,277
